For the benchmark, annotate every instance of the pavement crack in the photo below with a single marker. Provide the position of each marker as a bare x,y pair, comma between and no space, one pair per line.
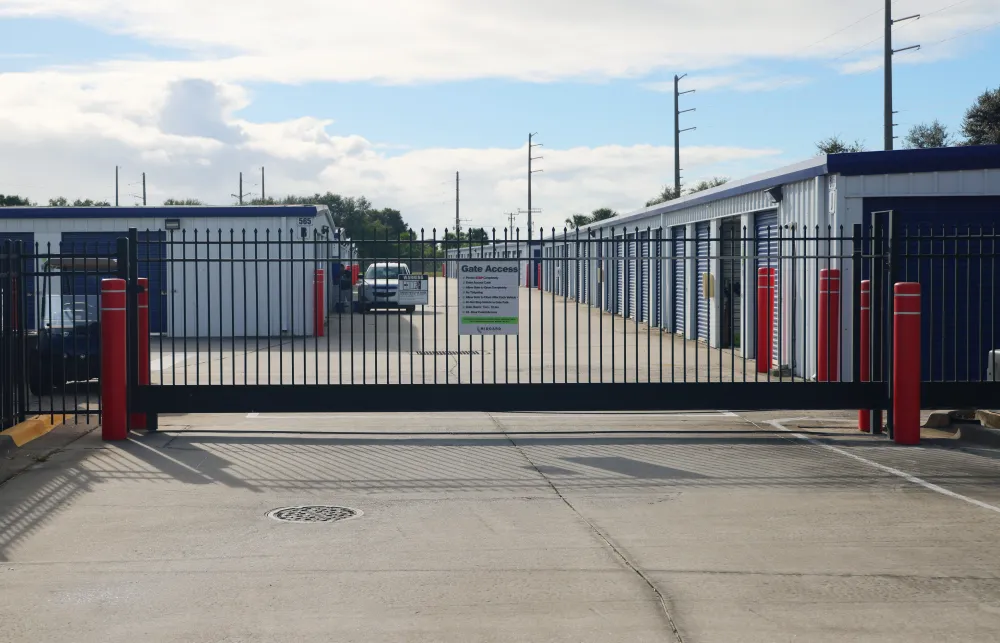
618,552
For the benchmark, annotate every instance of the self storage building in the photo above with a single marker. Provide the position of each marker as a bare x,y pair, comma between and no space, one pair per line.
257,261
691,265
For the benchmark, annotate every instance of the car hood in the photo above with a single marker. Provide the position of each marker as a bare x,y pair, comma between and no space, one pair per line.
381,283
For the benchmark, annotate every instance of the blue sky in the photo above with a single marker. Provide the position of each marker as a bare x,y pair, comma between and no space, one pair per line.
402,96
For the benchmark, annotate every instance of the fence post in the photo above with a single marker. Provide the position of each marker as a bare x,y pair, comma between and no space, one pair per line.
828,333
114,384
138,420
864,350
319,308
906,363
765,318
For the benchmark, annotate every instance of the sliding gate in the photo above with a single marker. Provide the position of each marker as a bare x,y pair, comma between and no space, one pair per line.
249,326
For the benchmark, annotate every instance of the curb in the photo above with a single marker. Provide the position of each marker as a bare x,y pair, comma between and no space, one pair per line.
977,434
23,433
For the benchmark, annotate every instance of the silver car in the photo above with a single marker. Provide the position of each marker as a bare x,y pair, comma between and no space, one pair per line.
379,287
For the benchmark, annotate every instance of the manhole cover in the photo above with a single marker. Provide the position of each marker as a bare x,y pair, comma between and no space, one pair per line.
313,513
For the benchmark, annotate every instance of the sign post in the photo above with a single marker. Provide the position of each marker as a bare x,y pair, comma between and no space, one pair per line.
488,297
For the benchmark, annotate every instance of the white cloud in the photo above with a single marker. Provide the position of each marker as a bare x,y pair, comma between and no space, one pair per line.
402,41
71,150
741,82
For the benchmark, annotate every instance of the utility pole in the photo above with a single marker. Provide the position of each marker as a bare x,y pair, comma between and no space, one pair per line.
144,188
262,195
116,186
241,193
531,158
888,53
677,131
458,222
510,217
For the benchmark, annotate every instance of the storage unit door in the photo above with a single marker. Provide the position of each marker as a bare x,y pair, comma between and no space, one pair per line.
152,251
679,295
632,282
703,233
28,299
644,276
767,249
619,276
656,298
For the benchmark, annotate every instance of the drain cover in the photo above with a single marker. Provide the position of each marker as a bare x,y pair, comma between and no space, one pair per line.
313,513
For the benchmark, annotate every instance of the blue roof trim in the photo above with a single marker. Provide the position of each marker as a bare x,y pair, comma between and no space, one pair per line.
942,159
160,212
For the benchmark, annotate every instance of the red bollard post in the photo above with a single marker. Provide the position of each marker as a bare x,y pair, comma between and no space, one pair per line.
319,307
138,420
906,363
828,331
114,383
765,318
539,276
864,336
444,269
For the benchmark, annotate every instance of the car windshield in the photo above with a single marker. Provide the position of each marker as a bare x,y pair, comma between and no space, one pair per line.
67,312
384,272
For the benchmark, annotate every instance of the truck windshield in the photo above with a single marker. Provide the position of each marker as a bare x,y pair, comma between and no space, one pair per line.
69,312
384,272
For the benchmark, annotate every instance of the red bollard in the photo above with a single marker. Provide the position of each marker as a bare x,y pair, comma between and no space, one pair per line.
319,319
114,384
906,363
828,332
138,420
539,276
444,269
864,336
766,281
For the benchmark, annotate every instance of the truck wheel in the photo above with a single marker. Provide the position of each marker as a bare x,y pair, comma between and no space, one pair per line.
40,384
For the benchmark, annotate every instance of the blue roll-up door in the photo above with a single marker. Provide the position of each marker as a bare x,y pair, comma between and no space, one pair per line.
644,276
679,294
630,272
151,251
620,276
703,233
767,249
656,299
27,240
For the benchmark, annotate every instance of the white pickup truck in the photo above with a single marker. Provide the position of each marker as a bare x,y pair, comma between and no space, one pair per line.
379,287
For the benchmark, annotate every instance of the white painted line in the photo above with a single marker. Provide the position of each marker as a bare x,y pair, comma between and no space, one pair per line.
881,467
251,416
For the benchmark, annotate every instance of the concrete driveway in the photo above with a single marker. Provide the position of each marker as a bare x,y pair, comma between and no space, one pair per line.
699,527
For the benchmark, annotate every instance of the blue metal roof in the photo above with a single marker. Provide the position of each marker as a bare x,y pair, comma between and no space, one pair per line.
160,212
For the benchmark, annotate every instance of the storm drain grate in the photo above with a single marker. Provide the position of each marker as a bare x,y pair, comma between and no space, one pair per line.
446,353
313,513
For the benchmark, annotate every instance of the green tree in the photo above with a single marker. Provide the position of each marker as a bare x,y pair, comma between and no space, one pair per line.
62,202
183,202
926,135
708,184
981,125
602,214
666,194
577,221
836,145
12,200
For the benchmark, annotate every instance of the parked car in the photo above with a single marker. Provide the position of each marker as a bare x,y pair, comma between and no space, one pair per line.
379,287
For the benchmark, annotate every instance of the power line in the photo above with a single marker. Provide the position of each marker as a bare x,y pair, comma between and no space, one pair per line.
965,33
856,22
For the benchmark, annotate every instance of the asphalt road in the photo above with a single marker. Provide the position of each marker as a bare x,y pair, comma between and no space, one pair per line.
697,527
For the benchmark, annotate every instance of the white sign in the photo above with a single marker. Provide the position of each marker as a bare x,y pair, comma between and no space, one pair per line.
413,290
488,297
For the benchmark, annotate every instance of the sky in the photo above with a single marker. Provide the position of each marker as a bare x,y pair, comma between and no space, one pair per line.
390,98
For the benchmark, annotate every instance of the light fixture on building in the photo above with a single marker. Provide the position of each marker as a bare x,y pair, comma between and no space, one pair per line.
776,193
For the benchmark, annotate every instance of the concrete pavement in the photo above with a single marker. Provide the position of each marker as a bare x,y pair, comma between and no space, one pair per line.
699,527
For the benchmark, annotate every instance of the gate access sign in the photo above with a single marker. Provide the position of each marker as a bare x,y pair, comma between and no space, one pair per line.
488,297
412,290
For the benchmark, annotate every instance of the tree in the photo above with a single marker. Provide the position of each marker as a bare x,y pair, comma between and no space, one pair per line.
666,194
708,184
835,145
926,135
602,214
12,200
183,202
62,202
577,221
981,125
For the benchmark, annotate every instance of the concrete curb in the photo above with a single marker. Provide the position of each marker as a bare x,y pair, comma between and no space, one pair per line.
25,432
978,434
989,419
